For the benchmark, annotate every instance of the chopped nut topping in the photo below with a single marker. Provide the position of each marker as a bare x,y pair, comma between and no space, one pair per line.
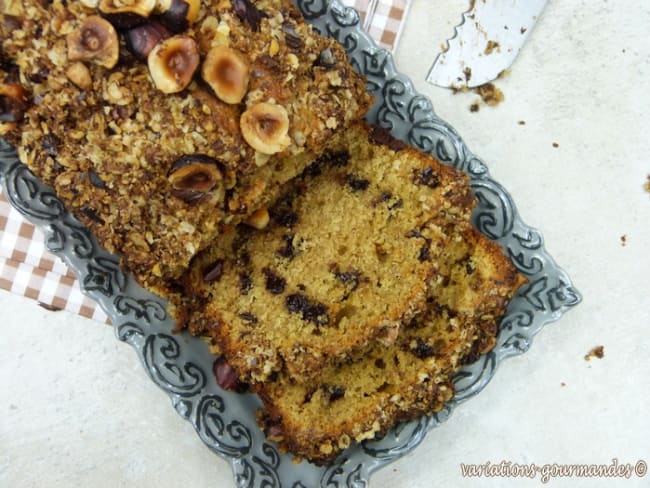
79,74
259,219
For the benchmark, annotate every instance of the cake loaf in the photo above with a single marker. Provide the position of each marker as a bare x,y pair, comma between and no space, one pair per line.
347,256
157,121
361,400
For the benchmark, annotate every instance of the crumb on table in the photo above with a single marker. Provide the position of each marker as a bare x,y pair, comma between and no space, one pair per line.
556,145
596,352
624,240
474,107
490,94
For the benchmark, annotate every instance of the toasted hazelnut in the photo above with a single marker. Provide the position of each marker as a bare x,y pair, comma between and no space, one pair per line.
259,219
13,102
79,74
194,176
227,74
265,127
96,41
142,39
172,63
126,14
177,15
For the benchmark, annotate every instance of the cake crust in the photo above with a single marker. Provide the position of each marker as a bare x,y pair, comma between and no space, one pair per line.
110,141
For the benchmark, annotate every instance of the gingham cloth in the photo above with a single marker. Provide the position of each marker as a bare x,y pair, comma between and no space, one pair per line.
28,269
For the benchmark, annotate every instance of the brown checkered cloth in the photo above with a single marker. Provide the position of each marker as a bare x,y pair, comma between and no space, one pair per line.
28,269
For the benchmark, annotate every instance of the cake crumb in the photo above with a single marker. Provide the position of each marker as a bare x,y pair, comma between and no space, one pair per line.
522,122
49,307
475,107
490,47
624,240
556,145
596,352
468,73
563,384
490,94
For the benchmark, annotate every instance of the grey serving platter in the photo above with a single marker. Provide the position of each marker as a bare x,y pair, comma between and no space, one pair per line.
182,366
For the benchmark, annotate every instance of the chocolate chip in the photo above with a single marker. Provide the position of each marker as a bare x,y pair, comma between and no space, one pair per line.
427,177
326,58
425,251
422,349
383,197
95,180
284,215
248,12
291,37
214,272
91,213
245,282
311,312
274,282
379,135
248,317
357,184
398,204
336,392
288,250
40,76
226,376
50,144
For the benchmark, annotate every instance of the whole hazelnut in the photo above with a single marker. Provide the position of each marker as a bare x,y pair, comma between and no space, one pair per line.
265,127
142,39
95,40
125,14
172,63
226,71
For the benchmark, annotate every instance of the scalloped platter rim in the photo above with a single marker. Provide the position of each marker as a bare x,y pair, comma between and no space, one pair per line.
182,365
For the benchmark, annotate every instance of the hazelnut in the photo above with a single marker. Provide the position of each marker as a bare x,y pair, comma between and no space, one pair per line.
259,219
265,127
126,14
227,74
195,176
79,74
13,102
172,63
177,15
96,41
142,39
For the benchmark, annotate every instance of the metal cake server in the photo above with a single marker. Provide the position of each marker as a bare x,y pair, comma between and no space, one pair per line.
486,42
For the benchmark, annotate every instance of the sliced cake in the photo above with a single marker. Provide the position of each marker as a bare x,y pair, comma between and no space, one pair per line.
361,400
347,256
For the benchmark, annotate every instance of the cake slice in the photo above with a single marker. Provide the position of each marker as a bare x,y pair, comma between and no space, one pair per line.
347,256
361,400
154,127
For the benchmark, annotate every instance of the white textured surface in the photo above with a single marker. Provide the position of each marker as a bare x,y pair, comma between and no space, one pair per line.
76,408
